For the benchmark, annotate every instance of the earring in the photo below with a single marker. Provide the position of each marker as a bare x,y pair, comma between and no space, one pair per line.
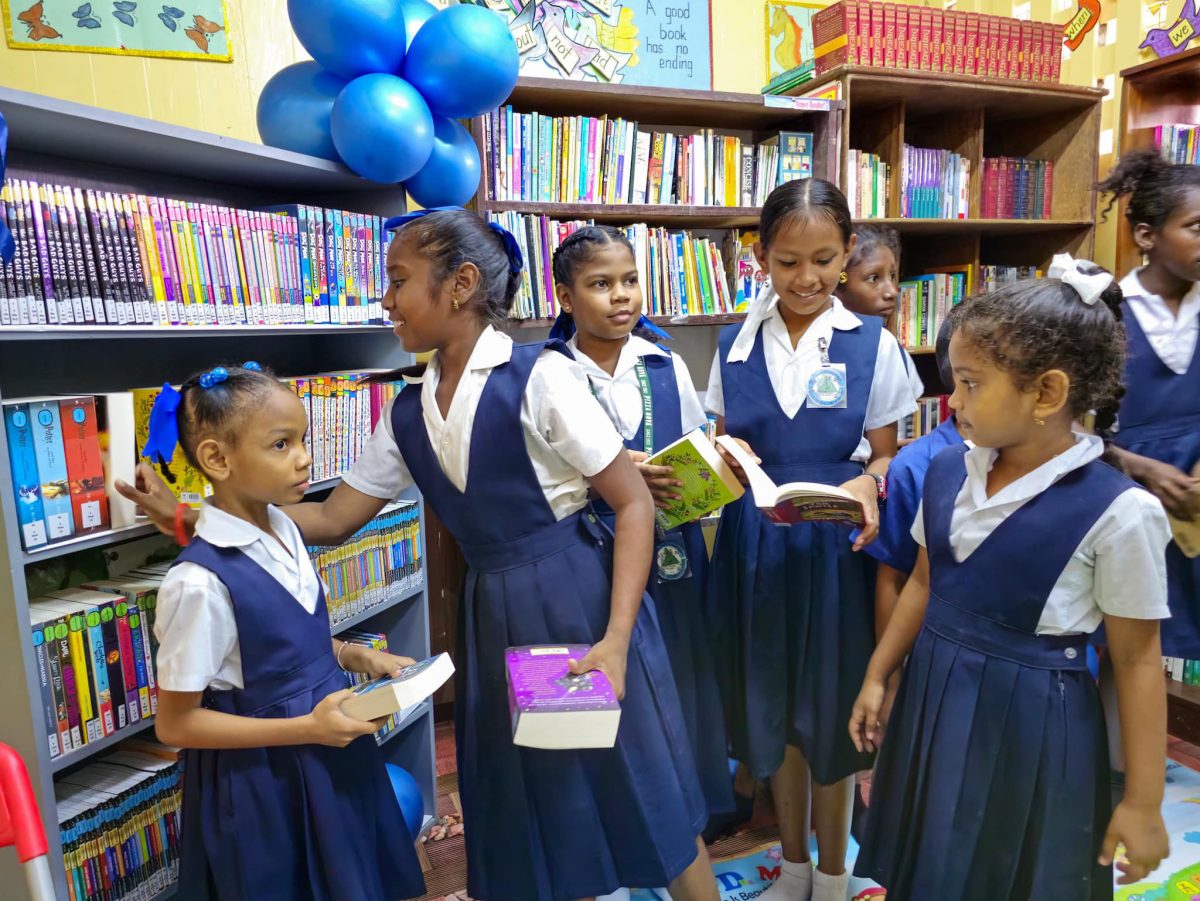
1039,420
455,304
843,278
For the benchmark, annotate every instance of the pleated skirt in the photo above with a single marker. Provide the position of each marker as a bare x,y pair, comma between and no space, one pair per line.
562,825
992,781
796,623
303,822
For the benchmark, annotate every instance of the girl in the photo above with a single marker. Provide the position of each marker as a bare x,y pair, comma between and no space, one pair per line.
994,771
503,441
796,603
648,394
285,796
1158,436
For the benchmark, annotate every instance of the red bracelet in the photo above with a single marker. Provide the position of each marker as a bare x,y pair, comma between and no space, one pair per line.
181,536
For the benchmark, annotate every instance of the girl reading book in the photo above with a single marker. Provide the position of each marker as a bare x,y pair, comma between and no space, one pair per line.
815,392
504,441
284,795
648,394
994,769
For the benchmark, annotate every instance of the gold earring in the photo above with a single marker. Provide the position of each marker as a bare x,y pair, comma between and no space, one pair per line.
1039,420
843,278
455,303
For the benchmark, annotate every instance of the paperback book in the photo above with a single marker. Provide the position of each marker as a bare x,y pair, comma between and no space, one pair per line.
555,710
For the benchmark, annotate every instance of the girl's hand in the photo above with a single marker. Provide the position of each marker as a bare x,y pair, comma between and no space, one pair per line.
377,663
889,701
1142,832
329,726
866,492
866,731
152,496
733,464
609,655
1179,493
659,479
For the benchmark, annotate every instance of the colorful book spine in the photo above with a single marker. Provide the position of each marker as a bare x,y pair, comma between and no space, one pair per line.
52,469
85,467
27,485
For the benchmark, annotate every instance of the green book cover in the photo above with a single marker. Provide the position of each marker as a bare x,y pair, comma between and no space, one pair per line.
708,484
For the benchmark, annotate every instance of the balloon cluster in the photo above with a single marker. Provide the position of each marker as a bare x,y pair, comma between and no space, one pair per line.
388,80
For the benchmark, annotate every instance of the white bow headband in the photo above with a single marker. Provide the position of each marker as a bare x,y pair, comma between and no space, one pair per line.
1070,272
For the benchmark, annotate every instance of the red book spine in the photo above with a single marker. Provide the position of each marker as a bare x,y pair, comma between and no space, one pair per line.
834,31
993,46
1011,166
1027,47
1056,52
986,211
1004,48
856,32
939,57
1048,189
1046,34
902,39
970,43
1014,48
1035,51
889,36
877,34
924,37
85,466
959,42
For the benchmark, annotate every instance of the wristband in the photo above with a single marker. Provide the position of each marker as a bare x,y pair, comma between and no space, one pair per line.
181,536
880,488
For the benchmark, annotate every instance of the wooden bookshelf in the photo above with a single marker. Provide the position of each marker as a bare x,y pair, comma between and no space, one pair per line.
1161,92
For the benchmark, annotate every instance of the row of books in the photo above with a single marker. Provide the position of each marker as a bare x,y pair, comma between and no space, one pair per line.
584,159
898,36
868,185
680,275
749,279
1178,143
382,557
936,184
924,302
119,823
91,257
931,412
993,277
1017,188
95,646
343,411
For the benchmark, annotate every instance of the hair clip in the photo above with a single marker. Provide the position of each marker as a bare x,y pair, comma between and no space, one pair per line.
1069,271
401,221
251,366
214,377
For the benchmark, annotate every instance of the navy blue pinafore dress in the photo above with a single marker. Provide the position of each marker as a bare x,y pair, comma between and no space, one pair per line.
1160,418
992,781
299,821
794,604
682,610
549,825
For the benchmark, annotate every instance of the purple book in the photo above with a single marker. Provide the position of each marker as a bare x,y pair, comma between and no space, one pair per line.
553,710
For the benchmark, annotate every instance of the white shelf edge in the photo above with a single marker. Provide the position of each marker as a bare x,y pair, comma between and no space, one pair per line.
125,333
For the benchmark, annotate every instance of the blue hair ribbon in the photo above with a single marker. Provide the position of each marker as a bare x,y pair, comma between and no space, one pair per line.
401,221
8,246
163,434
516,260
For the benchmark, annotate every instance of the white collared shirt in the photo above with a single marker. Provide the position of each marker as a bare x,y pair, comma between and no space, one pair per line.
1119,568
567,434
195,626
789,368
1172,337
620,394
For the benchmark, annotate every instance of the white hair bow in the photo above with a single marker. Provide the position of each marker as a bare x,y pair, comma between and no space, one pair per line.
1070,271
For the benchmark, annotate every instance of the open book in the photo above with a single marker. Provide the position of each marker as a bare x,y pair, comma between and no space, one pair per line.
708,482
1186,535
390,694
796,501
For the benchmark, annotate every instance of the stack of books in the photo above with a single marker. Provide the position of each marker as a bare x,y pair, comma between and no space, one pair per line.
343,411
931,412
90,257
868,185
899,36
582,159
993,277
936,184
1017,188
924,303
1178,143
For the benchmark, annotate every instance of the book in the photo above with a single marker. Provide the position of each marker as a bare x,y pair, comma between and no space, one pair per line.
1186,534
554,710
52,468
85,467
27,486
794,502
708,482
185,481
390,695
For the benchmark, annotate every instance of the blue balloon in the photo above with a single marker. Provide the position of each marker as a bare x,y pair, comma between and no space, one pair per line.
463,61
451,177
416,14
351,37
294,108
382,128
408,796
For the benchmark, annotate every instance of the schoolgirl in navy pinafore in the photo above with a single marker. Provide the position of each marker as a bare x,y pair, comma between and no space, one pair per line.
295,821
679,601
795,604
553,825
1159,418
992,780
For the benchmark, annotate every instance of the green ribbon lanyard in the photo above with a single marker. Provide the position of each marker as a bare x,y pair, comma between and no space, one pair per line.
647,405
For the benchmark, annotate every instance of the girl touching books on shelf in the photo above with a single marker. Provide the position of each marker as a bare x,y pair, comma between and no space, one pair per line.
284,795
815,391
648,394
1158,426
994,769
504,441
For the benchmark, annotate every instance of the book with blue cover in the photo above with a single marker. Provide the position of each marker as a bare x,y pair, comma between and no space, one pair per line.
22,461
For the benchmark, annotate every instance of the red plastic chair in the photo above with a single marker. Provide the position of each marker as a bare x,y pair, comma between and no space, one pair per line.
21,825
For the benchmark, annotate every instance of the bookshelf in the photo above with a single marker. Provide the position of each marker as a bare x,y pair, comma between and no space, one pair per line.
1161,92
53,140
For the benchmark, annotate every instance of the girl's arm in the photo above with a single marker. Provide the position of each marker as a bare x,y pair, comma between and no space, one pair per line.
864,489
1176,489
889,583
357,658
897,641
1136,654
182,722
623,489
728,458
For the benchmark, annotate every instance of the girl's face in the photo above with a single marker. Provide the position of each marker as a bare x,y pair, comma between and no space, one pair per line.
871,283
269,462
804,261
417,308
605,297
986,401
1176,246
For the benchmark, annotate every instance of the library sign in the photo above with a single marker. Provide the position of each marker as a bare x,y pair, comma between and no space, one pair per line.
644,42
